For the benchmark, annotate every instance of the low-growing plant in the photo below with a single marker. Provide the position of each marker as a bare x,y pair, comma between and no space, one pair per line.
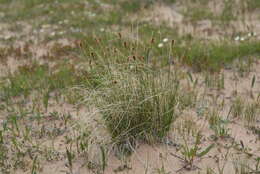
250,113
191,152
221,131
162,170
245,167
237,107
215,81
218,125
188,99
34,166
187,127
70,157
214,118
244,66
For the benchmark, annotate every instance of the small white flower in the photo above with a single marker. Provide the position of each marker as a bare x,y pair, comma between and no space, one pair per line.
45,26
131,66
61,32
93,14
165,40
75,30
249,34
160,45
242,38
237,38
53,33
102,29
7,37
254,34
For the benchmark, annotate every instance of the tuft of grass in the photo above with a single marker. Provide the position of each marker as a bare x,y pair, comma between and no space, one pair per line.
140,107
251,113
216,81
237,107
218,125
191,152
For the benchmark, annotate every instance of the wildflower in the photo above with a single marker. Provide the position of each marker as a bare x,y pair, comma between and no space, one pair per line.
92,14
237,38
102,29
131,66
160,45
249,34
75,30
242,38
46,26
7,37
165,40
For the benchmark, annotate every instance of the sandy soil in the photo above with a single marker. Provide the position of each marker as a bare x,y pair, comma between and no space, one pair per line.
150,158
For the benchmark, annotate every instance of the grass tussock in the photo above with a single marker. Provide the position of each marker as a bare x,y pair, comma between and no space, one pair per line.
140,107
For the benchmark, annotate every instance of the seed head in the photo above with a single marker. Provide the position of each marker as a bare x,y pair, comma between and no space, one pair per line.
120,36
152,40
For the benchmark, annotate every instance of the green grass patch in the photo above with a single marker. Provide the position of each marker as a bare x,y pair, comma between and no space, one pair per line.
215,55
197,14
253,4
36,77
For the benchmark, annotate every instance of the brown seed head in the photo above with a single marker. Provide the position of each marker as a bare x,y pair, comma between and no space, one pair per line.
125,44
120,36
173,42
152,40
92,54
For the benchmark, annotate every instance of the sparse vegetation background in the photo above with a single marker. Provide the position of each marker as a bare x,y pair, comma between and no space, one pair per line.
129,86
